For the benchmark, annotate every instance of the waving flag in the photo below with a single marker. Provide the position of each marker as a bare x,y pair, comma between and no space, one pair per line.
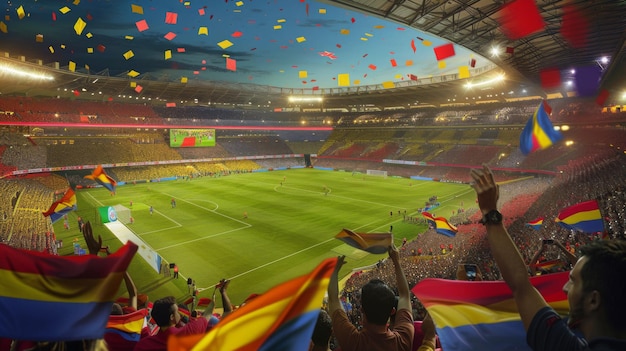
376,243
539,132
536,224
76,293
62,207
444,227
283,318
483,315
584,217
100,176
127,326
429,217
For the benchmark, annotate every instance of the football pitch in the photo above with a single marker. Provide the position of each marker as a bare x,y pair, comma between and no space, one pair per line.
261,229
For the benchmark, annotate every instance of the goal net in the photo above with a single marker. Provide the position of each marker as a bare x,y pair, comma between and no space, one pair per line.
123,213
375,172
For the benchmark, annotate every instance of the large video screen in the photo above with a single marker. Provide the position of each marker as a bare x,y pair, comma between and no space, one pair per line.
192,137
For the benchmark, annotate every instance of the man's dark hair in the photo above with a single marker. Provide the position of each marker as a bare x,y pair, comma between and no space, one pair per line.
323,329
377,300
162,309
605,271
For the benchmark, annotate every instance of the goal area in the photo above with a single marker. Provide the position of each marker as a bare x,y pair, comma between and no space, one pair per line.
123,214
375,172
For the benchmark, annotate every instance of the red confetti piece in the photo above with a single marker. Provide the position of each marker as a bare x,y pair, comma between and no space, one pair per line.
444,51
520,18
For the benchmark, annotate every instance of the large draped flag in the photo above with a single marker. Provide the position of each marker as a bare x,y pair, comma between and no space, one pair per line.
283,318
52,298
442,226
536,224
584,217
127,326
539,132
376,243
429,217
483,315
100,176
62,207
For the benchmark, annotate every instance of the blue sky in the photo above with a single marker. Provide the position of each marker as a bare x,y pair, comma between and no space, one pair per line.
264,53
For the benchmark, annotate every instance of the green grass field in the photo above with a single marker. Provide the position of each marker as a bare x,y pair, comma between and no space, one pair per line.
290,227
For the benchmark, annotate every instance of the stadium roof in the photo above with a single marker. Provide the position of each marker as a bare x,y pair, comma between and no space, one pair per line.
287,48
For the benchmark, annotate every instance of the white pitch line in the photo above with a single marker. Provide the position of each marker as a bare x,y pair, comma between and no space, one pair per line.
272,262
203,238
158,230
213,211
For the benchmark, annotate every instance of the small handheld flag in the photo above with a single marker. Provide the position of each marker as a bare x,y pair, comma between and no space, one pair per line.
100,176
539,133
376,243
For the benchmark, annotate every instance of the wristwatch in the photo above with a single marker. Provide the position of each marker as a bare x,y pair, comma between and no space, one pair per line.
492,217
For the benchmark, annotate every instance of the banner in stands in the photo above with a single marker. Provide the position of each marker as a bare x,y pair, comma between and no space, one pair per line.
107,214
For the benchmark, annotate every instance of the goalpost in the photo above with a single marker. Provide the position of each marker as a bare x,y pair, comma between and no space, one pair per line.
123,213
375,172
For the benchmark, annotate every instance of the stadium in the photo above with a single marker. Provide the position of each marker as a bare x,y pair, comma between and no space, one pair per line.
239,141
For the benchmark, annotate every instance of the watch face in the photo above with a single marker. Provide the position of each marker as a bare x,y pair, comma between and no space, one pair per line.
494,217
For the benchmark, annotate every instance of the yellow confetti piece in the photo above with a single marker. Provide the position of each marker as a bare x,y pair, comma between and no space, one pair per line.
187,3
237,11
129,37
133,73
277,27
343,80
129,54
3,27
345,31
76,2
388,85
239,3
300,39
203,31
427,43
369,35
225,55
64,9
409,63
51,49
79,26
183,80
379,27
282,20
441,64
39,38
168,54
225,44
87,67
63,46
133,84
356,82
303,74
89,35
136,9
464,72
364,39
20,12
90,50
398,76
322,11
282,71
72,66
